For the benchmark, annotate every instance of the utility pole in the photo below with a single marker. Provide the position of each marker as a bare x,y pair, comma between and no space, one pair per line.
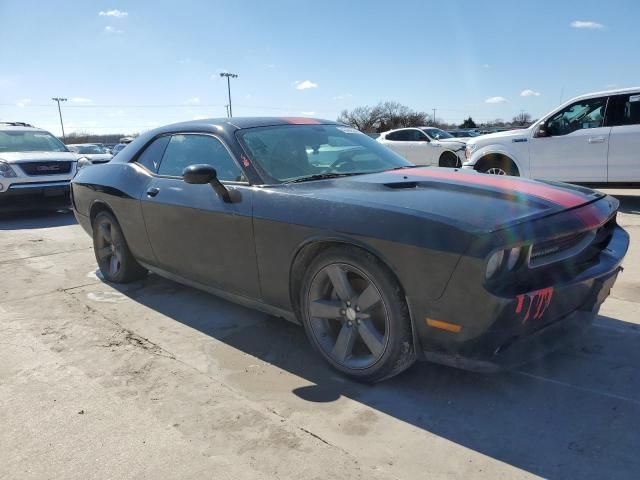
229,76
433,119
226,108
58,100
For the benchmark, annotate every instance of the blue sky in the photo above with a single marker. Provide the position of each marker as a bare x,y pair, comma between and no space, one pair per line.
128,66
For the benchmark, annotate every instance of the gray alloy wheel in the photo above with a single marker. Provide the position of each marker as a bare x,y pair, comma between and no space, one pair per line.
108,248
496,171
355,314
114,258
348,316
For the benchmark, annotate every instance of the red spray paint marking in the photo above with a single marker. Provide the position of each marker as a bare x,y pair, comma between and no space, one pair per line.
301,120
245,161
589,215
537,303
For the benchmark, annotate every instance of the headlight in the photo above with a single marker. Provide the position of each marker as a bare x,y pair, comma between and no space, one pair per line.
468,151
494,263
84,162
503,258
6,171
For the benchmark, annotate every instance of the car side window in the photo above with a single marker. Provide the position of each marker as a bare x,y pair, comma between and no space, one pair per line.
580,115
400,136
629,110
185,150
151,156
417,136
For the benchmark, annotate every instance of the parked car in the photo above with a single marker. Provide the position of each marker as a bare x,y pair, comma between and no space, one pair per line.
464,133
593,138
91,153
381,261
425,146
118,148
35,168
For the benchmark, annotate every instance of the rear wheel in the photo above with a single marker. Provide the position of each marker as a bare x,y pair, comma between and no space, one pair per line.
114,258
355,315
450,160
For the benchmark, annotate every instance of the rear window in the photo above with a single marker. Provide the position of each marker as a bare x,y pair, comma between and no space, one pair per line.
28,141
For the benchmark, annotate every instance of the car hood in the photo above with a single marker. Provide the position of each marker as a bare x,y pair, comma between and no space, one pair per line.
95,156
499,136
449,141
14,157
471,201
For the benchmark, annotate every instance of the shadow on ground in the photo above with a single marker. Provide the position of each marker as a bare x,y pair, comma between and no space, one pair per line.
576,414
36,219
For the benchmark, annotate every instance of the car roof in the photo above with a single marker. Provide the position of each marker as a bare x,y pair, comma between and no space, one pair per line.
617,91
20,126
237,123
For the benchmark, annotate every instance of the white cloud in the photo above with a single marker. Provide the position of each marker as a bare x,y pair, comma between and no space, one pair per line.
193,101
113,13
305,85
529,93
23,102
343,96
496,100
110,29
486,66
587,24
80,100
308,113
116,114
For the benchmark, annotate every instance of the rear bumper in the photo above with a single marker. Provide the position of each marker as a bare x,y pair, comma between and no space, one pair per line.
20,196
504,332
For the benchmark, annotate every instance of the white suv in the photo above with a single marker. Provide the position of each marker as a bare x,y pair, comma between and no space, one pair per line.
593,138
425,146
35,167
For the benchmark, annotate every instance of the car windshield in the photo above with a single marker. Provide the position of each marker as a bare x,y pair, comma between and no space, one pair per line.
294,152
90,149
29,141
437,133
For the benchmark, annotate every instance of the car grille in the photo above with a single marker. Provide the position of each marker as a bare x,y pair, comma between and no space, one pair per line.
560,248
45,168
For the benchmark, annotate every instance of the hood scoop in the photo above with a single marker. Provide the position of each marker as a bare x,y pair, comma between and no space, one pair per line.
401,185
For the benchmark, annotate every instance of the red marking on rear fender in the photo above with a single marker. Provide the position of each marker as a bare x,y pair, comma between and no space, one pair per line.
301,120
536,303
245,161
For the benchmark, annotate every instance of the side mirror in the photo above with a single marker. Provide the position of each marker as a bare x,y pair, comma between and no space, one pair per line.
542,131
200,174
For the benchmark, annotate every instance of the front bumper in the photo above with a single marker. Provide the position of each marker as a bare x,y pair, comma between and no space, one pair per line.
26,196
504,332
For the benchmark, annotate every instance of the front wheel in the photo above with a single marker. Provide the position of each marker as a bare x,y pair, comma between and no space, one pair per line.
355,315
114,258
499,167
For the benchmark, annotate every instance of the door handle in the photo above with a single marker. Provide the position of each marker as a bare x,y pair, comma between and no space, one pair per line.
153,191
596,140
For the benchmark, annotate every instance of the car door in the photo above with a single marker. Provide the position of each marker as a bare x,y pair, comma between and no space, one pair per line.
193,232
624,141
419,148
572,144
397,141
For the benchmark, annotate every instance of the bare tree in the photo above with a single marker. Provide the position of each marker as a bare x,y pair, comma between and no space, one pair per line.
384,116
522,119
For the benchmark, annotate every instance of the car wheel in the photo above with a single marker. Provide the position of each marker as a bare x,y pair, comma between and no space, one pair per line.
114,258
356,316
449,160
499,167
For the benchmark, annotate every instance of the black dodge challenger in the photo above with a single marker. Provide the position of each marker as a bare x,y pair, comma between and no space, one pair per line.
381,261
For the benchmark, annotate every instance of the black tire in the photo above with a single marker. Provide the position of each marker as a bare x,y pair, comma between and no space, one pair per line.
449,160
368,344
499,166
115,260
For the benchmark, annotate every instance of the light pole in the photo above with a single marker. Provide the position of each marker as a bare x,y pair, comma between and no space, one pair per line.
229,75
58,100
434,117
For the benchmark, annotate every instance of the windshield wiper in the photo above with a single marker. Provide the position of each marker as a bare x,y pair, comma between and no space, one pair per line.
321,176
403,167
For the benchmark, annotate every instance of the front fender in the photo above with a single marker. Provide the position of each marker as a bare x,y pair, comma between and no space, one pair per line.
499,149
